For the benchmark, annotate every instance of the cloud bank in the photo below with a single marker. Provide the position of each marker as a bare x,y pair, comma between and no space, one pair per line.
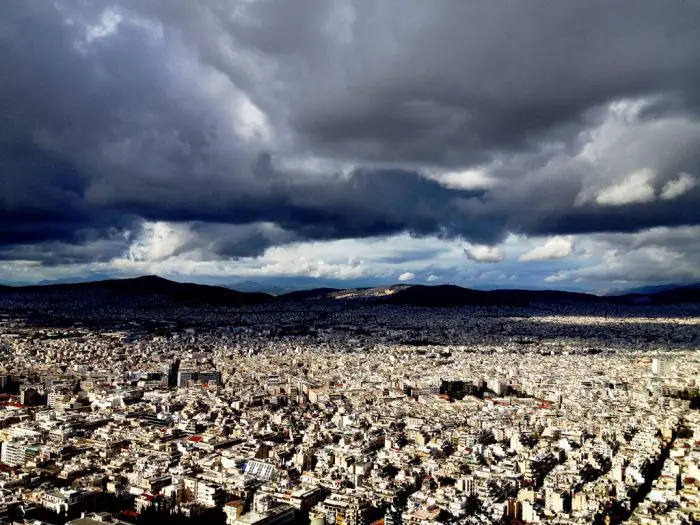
211,132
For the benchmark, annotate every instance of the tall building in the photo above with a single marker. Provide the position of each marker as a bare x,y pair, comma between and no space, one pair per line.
210,377
31,397
497,386
558,501
467,485
172,373
265,511
344,510
188,376
17,453
660,367
184,377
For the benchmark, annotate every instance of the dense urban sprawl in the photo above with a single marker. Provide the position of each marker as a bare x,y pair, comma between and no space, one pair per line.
350,415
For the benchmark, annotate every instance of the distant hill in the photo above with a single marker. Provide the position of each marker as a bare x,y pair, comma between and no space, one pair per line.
284,285
450,295
442,296
256,287
152,289
75,279
155,291
653,289
680,295
374,294
305,295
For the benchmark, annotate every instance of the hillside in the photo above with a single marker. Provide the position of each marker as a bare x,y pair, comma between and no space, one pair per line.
149,289
450,295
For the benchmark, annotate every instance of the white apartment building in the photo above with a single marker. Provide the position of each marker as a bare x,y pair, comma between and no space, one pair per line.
661,367
18,453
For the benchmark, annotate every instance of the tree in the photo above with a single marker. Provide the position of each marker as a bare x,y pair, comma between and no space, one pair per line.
684,432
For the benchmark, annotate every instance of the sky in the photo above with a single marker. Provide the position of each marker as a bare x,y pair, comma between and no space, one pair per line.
493,143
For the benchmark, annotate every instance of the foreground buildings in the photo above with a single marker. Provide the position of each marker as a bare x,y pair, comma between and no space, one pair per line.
352,416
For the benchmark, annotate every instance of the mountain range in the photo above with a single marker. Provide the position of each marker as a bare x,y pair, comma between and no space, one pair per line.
159,291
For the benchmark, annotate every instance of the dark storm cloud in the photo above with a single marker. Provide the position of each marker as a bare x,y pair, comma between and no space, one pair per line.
42,199
49,253
374,203
447,80
365,203
115,112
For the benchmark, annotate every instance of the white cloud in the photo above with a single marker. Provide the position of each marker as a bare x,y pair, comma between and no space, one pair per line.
466,180
108,25
252,123
635,188
432,278
158,241
652,256
492,276
483,253
622,157
556,247
407,276
164,249
677,187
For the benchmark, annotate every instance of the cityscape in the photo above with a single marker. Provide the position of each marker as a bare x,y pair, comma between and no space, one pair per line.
349,262
329,408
